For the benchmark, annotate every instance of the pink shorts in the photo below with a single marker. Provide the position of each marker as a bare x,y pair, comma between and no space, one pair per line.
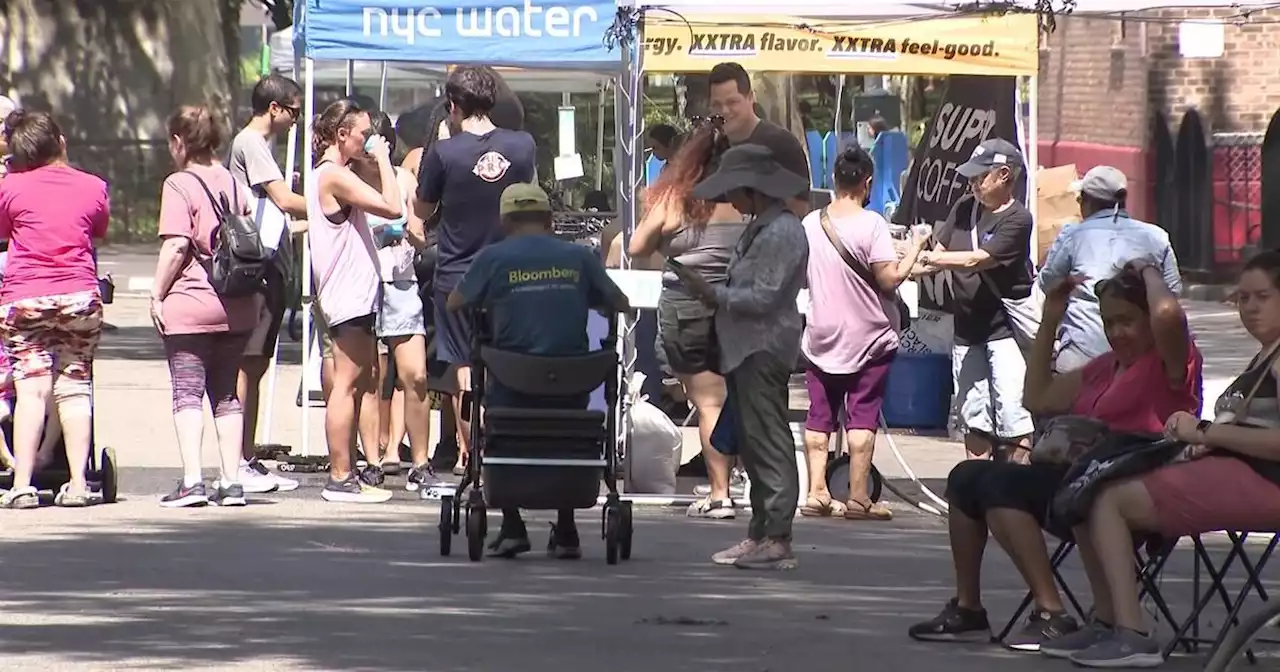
1212,493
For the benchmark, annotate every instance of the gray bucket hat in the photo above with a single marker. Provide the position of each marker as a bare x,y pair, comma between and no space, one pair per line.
750,166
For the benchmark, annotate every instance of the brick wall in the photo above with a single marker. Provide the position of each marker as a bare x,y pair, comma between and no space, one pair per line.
1093,84
1235,93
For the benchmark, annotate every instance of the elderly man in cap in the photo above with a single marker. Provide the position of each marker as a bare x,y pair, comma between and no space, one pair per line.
536,312
1097,248
758,327
986,243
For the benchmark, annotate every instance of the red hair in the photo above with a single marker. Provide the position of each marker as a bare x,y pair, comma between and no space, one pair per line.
695,159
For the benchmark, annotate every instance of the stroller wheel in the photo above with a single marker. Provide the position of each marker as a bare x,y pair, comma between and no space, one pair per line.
446,524
624,533
612,533
475,531
110,475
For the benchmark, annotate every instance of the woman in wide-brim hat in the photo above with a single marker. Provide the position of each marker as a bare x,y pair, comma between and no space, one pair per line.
758,329
746,168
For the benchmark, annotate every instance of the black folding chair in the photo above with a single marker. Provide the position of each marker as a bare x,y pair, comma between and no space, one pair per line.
1217,575
1149,560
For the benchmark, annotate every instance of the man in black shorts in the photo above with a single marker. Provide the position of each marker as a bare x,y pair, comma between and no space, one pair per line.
463,177
733,99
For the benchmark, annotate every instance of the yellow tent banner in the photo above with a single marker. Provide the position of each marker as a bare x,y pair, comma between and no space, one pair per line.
960,45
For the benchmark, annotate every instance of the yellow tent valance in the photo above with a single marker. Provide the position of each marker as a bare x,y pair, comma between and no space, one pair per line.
960,45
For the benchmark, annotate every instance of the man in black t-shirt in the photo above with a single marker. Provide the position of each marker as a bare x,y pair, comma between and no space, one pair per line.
464,177
733,99
986,243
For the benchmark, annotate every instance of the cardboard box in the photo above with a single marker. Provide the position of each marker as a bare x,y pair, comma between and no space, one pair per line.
1056,205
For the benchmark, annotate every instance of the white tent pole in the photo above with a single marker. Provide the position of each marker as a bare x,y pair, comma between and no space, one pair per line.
600,139
351,77
839,112
1033,159
308,158
382,88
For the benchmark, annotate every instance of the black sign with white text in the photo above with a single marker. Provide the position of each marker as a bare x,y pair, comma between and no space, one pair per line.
973,109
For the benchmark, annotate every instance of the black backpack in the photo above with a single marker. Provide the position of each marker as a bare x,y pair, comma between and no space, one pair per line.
240,262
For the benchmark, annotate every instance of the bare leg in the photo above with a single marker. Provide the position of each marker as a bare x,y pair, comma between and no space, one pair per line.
862,449
1117,512
1020,536
248,385
73,397
411,367
369,418
706,390
968,543
33,397
1102,609
384,415
977,446
395,435
353,363
463,374
815,454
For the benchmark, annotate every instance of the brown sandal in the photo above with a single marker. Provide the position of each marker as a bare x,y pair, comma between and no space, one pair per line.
855,510
818,508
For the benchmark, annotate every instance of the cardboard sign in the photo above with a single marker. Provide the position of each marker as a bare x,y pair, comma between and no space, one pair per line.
1056,205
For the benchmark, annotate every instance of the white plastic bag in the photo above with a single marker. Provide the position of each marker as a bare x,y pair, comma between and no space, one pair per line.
656,443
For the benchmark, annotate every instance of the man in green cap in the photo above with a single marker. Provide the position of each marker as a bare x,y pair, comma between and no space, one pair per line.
537,290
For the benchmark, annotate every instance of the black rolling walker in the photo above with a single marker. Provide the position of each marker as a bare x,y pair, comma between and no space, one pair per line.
103,470
540,458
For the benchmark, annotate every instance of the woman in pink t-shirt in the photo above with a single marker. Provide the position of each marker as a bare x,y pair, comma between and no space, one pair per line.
204,334
850,333
345,264
50,308
1152,372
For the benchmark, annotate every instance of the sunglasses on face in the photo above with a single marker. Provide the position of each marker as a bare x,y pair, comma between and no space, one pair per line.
715,120
293,111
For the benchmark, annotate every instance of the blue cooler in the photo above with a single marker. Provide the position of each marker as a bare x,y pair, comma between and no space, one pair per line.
918,394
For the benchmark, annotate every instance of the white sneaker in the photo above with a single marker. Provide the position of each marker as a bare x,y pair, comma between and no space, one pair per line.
283,483
256,482
717,509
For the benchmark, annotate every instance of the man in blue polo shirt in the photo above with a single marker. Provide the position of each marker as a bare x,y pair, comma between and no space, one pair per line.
537,290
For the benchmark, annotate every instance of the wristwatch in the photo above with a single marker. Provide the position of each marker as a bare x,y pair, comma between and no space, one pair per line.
1202,427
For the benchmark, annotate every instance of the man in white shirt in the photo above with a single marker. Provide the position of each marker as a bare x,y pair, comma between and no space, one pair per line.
277,105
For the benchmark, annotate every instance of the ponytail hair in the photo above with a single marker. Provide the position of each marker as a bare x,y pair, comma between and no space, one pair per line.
338,115
854,167
200,129
34,139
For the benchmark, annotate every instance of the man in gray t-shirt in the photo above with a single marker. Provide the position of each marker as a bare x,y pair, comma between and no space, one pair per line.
277,104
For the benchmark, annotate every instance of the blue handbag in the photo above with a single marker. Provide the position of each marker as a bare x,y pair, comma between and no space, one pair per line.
724,438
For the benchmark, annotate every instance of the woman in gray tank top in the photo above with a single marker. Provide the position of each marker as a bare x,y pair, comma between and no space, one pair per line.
700,235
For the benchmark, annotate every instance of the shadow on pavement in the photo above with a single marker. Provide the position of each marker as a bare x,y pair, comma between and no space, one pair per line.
216,589
140,343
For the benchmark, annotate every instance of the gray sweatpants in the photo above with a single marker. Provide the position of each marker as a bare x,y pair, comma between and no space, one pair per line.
765,444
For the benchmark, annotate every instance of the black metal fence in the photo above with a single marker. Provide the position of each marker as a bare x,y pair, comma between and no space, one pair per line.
1212,193
135,171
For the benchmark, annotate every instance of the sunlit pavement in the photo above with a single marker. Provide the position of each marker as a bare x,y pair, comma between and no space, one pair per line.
294,583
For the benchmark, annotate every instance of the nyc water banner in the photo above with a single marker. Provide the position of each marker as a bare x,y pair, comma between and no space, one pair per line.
565,34
973,45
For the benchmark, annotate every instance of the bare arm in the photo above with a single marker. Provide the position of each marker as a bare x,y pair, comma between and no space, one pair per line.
351,190
890,275
412,161
415,228
1168,325
284,198
648,234
173,255
1044,393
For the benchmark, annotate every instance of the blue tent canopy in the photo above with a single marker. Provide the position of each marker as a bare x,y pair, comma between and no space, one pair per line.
566,35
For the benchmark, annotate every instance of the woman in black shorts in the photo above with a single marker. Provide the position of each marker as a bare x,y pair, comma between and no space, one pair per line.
701,236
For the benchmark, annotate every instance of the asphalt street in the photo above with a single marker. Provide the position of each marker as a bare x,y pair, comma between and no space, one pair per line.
294,583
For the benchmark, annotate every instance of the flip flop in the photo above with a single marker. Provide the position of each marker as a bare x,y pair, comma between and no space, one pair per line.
817,508
855,510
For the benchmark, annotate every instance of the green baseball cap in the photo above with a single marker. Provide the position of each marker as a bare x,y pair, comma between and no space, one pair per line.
524,197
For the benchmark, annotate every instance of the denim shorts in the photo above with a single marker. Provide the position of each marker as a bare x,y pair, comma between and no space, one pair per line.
987,382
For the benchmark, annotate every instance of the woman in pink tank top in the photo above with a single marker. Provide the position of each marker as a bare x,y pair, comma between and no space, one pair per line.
345,265
1152,371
